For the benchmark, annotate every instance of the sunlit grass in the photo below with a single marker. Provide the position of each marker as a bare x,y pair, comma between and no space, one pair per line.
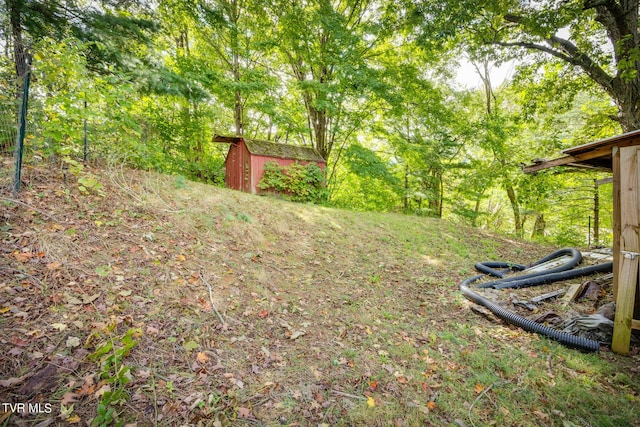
373,299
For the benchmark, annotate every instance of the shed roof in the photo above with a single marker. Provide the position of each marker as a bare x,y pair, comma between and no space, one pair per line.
594,155
272,149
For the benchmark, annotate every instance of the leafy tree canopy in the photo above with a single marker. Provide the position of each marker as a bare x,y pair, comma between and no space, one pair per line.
596,37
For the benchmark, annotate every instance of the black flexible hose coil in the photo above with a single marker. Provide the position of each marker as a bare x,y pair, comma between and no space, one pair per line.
563,272
576,258
544,279
571,341
488,267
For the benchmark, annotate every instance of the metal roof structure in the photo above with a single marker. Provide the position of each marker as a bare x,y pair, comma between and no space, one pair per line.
594,155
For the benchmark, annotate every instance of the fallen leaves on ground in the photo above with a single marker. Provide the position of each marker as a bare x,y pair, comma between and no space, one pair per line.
309,302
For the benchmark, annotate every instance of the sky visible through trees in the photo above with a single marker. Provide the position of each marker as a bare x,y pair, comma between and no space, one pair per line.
427,108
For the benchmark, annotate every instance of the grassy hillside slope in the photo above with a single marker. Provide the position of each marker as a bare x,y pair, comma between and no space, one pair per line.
156,301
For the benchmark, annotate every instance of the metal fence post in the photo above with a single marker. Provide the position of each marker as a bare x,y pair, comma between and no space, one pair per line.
23,126
85,142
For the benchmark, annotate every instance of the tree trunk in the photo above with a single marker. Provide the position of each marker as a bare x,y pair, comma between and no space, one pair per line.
319,124
238,113
318,119
628,111
320,129
485,76
620,21
515,207
508,186
435,187
14,9
406,189
539,226
476,212
238,103
441,198
198,146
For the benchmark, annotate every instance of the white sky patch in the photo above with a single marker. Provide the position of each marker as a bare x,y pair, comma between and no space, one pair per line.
467,76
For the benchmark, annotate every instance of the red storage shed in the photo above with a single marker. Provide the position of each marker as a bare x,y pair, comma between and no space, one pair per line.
246,158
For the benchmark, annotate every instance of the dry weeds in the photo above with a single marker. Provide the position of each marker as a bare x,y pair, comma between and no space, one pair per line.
255,311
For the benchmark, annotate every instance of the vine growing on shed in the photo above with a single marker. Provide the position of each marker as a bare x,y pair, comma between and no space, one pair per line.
299,183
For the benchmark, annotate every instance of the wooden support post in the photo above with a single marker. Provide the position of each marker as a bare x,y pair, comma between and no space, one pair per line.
596,213
615,160
629,247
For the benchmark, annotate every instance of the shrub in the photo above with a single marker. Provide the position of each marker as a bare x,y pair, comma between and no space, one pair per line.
299,183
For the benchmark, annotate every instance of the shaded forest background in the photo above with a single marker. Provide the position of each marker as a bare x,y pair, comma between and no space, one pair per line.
369,83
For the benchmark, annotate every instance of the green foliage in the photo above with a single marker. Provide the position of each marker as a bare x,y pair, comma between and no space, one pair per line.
566,235
179,183
366,163
300,183
110,354
331,49
367,83
273,177
591,40
88,183
365,181
362,193
208,168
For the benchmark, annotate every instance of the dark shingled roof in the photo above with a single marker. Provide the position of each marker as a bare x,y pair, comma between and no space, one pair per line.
272,149
283,151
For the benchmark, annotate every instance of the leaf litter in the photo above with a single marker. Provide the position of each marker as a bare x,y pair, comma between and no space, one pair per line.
302,316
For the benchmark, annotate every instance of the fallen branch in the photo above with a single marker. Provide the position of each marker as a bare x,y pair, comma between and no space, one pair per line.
27,275
476,401
18,202
549,371
351,396
213,306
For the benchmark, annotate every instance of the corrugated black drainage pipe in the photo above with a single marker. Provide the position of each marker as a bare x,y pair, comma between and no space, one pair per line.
489,267
563,272
576,258
571,341
544,279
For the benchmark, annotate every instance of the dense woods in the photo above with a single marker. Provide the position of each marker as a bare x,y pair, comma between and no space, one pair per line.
371,84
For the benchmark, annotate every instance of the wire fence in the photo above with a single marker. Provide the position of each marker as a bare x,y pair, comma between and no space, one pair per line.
14,96
8,126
